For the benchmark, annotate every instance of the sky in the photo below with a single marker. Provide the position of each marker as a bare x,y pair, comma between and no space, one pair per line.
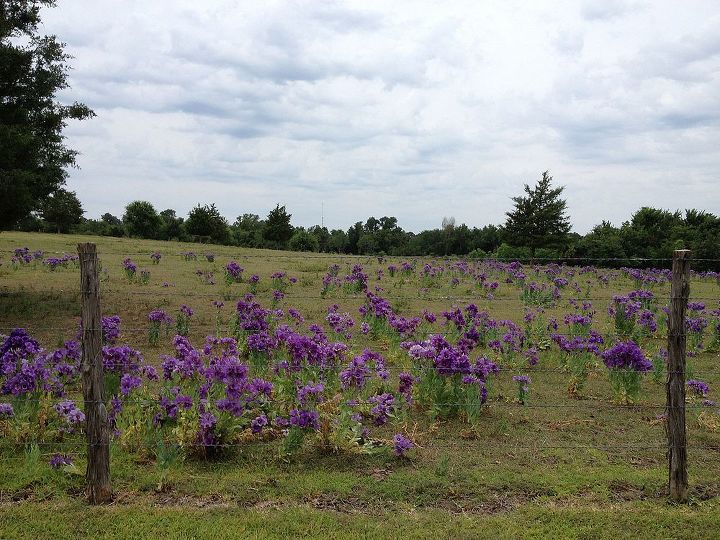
412,109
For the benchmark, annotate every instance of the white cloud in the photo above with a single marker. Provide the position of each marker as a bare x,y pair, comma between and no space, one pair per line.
412,109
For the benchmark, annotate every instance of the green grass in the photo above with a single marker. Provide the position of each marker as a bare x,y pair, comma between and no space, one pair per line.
535,472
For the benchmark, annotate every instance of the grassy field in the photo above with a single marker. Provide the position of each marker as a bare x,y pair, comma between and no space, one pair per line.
556,467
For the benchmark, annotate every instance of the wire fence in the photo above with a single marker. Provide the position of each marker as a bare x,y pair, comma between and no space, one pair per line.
269,254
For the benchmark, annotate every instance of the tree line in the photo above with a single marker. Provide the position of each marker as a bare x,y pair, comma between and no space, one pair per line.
537,227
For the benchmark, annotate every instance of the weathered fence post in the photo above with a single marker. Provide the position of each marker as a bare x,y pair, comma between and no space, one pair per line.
98,434
677,439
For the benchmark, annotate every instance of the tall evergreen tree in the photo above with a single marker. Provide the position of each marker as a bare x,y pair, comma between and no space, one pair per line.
539,219
277,228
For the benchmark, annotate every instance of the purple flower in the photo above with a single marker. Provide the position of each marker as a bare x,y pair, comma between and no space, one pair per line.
401,445
233,272
699,388
6,410
406,384
383,409
207,421
69,412
60,460
258,423
110,329
159,316
129,267
626,355
310,392
305,419
128,383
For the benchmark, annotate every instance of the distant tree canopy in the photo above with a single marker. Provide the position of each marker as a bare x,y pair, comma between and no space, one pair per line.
278,229
207,222
650,234
539,219
172,226
33,155
142,220
61,210
247,231
303,240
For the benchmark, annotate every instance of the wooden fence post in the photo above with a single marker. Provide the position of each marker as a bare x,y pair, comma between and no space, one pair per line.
677,439
96,419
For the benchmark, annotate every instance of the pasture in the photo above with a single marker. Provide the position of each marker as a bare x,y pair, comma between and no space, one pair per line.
571,452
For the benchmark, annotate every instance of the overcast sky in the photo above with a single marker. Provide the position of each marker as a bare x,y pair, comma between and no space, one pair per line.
414,109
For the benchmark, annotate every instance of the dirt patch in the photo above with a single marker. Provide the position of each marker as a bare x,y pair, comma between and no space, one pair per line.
625,491
705,492
344,505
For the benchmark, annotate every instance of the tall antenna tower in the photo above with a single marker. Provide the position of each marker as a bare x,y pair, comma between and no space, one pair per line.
322,213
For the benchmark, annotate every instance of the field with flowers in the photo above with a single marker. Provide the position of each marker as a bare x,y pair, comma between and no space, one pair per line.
285,394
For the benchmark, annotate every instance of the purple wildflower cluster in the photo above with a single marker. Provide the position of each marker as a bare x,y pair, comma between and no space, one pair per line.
53,263
110,329
626,355
26,368
60,460
233,273
699,388
130,268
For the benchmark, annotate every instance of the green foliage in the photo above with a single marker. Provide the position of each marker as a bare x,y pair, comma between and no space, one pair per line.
33,69
626,384
338,241
303,240
142,220
248,230
206,222
278,229
477,253
172,227
61,210
539,219
507,252
322,235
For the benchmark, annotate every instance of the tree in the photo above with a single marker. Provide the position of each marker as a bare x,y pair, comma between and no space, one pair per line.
277,228
338,241
206,221
604,241
247,231
322,235
303,240
172,226
142,220
61,210
112,225
33,68
353,237
539,219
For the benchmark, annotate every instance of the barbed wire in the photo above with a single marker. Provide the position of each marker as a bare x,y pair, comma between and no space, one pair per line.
580,404
267,294
309,255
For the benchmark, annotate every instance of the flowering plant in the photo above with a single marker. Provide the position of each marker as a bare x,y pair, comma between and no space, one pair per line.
627,363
